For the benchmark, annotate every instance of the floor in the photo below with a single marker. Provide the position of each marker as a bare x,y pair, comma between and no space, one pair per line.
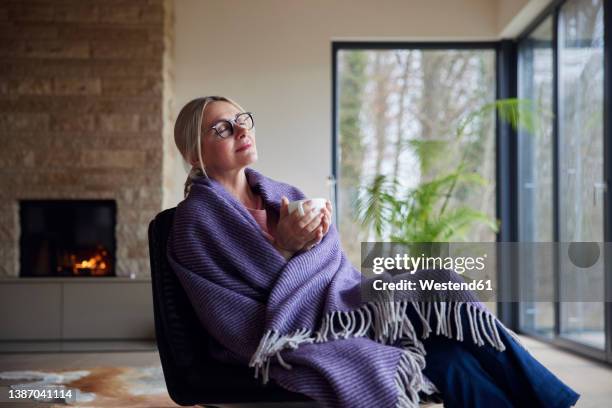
592,380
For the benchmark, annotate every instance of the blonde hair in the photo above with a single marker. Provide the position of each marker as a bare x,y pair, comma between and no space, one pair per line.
188,134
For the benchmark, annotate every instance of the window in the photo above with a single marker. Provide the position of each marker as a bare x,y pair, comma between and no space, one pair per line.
535,186
581,160
398,108
395,108
561,175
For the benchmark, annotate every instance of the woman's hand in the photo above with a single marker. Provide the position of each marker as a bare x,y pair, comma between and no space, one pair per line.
325,224
295,232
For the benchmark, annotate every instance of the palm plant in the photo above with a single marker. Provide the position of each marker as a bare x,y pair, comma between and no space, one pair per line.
423,214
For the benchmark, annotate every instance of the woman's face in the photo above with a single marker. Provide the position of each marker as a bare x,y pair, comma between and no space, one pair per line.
225,154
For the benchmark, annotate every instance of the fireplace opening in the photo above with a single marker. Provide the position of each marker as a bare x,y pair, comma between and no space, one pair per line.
61,238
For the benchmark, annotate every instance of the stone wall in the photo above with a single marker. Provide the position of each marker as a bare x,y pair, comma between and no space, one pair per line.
82,102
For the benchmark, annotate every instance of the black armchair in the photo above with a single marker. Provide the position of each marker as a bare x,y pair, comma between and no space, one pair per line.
192,377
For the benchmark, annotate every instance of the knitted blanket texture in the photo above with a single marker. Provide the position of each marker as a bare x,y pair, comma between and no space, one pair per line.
302,322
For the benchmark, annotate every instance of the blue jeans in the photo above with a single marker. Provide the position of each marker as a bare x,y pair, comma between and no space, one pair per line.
474,376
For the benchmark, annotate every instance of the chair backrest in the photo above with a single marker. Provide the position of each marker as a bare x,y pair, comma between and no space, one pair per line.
192,376
175,330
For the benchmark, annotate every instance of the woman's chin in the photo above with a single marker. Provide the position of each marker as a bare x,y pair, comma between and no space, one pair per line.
250,159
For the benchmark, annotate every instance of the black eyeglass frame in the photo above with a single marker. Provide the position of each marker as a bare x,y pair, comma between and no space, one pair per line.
231,123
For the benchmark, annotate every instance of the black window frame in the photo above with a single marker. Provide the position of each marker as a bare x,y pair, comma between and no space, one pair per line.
507,171
605,355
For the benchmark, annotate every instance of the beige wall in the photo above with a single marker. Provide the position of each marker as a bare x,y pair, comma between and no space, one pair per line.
274,57
514,15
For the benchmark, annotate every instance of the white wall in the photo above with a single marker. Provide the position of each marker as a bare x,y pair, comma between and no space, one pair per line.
274,58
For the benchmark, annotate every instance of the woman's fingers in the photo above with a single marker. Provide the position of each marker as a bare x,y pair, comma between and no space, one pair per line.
307,219
325,223
296,216
284,209
314,222
316,239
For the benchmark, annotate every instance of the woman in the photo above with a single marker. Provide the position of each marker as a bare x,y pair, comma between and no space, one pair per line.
276,292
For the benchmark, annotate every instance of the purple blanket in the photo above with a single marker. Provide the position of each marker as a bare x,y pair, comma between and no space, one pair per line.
302,321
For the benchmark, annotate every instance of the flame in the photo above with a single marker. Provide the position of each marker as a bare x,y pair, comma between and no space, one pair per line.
96,264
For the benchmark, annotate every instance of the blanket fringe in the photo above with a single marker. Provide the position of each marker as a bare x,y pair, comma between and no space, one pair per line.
272,343
387,322
409,379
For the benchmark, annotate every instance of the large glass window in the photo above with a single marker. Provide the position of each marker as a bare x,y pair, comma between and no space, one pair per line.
398,115
569,156
535,186
416,118
581,210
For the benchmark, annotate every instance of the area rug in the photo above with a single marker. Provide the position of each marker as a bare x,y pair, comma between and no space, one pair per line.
96,387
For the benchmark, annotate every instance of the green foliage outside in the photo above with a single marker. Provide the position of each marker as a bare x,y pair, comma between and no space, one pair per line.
424,213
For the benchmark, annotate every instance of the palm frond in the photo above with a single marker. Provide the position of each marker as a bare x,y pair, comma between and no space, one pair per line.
412,217
375,206
428,151
521,114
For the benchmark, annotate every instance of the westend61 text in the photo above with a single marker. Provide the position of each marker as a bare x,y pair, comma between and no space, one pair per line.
430,284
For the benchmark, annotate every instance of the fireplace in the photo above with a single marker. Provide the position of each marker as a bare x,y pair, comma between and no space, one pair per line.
62,238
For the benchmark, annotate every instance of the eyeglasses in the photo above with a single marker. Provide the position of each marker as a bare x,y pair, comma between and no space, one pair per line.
225,128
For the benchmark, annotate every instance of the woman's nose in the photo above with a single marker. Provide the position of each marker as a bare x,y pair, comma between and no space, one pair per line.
239,131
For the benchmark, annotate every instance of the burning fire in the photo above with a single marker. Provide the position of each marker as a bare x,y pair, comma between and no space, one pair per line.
96,264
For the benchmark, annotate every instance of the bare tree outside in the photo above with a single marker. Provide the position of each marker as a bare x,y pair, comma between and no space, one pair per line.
397,111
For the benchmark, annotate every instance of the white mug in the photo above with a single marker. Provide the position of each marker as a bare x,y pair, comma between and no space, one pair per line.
317,203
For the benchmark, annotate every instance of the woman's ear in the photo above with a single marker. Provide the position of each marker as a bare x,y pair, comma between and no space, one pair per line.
195,162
